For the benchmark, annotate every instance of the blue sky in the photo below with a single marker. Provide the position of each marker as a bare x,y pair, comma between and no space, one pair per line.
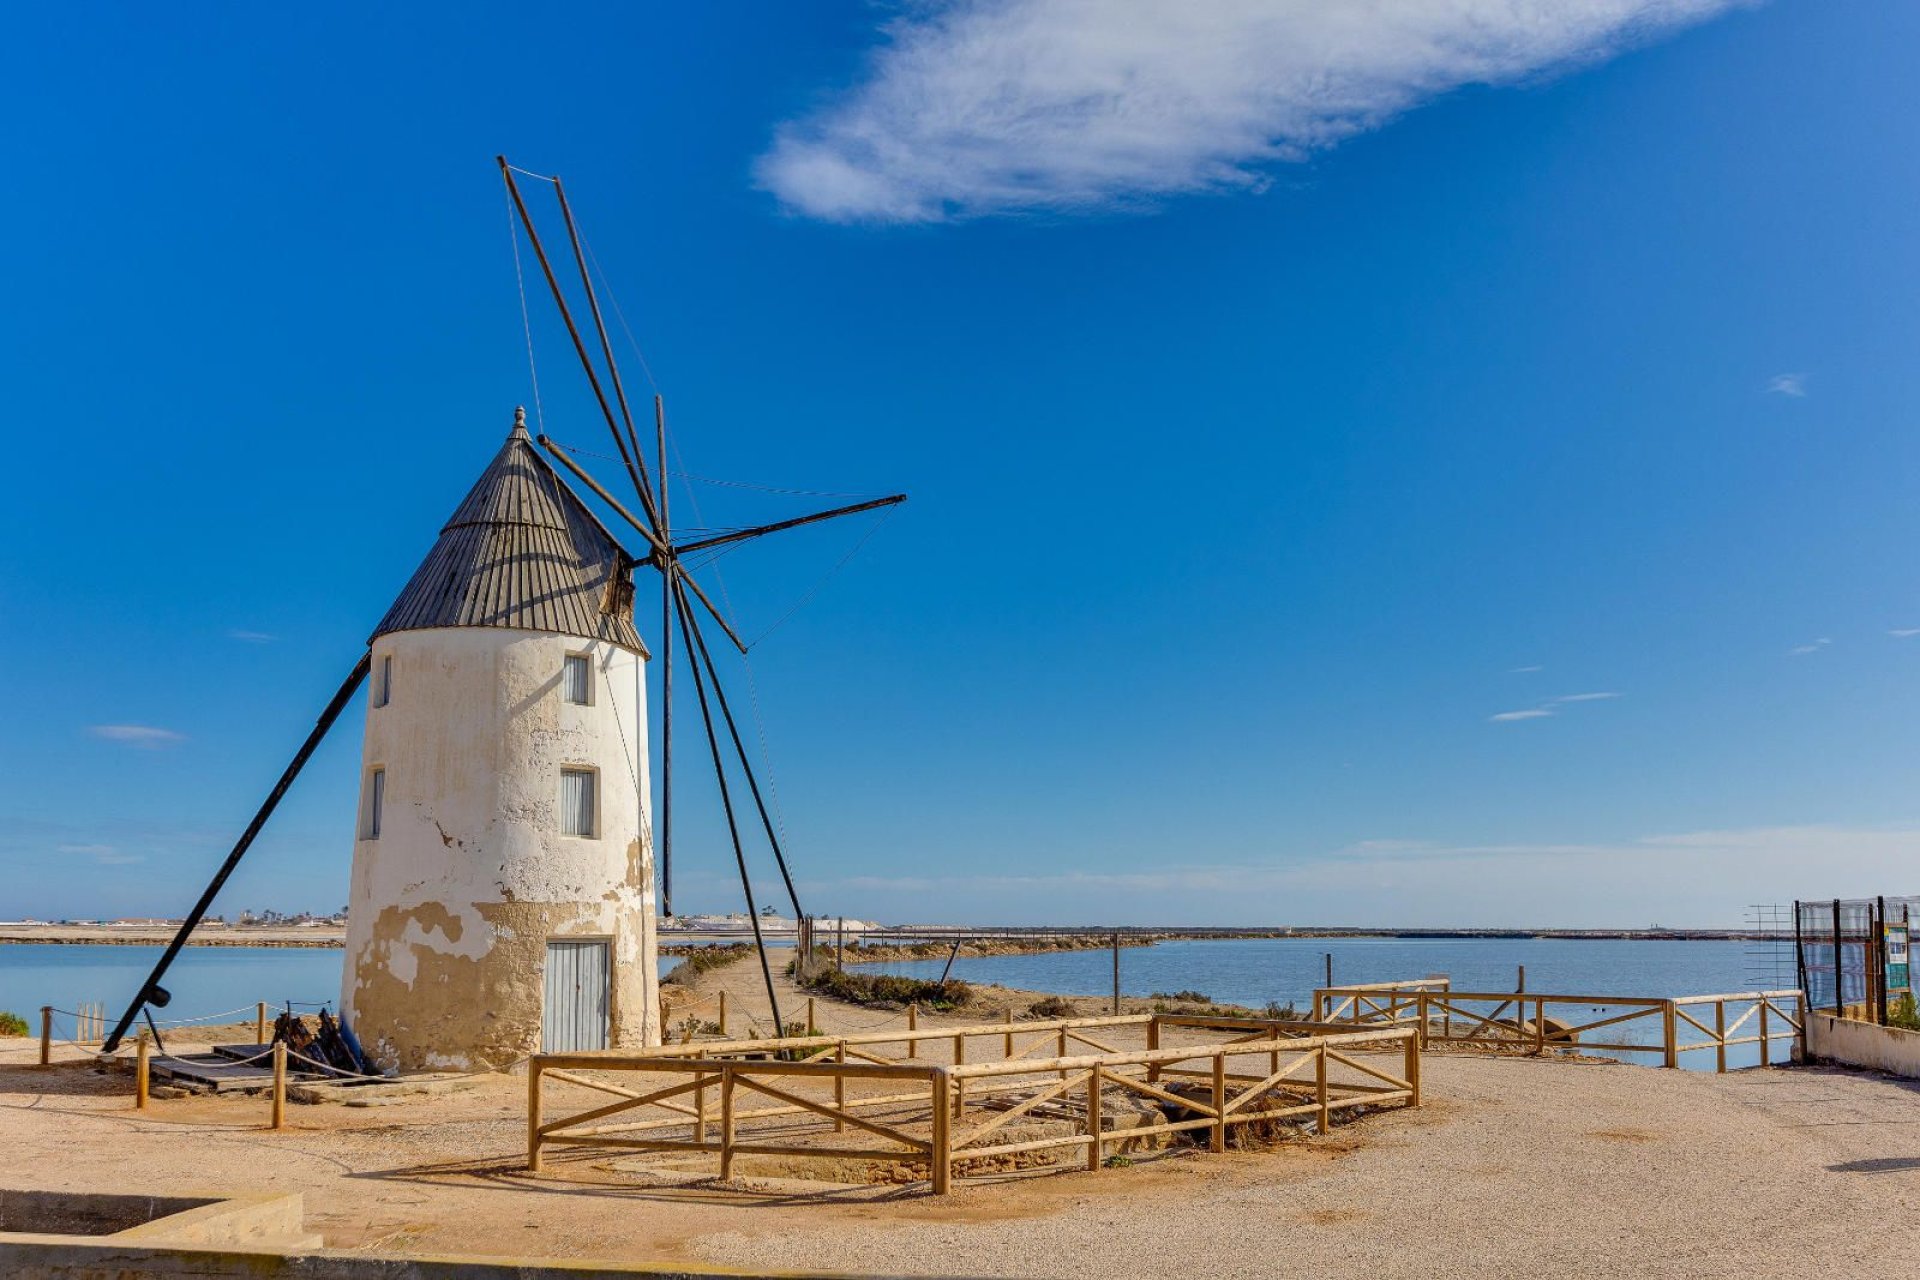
1283,403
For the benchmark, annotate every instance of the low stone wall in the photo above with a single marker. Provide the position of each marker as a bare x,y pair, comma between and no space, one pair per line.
67,1258
1863,1044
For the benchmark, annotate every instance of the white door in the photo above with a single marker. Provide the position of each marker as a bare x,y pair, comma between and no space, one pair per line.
579,977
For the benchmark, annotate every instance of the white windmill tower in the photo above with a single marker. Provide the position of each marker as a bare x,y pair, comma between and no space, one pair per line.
502,893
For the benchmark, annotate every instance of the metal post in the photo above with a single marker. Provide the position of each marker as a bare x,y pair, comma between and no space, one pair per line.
1839,1000
1877,948
1330,971
1520,983
1799,948
140,1071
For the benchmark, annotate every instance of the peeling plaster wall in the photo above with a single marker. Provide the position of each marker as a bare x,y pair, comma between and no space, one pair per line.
451,907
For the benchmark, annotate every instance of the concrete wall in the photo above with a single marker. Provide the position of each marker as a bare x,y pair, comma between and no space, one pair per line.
1862,1044
451,907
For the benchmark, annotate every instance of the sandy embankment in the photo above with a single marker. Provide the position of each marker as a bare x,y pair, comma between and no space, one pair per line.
160,935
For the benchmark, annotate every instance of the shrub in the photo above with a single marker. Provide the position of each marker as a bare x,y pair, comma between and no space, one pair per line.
889,989
1902,1014
697,960
1052,1007
12,1024
1184,997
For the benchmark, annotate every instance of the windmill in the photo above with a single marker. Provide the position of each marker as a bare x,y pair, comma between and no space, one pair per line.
678,588
597,573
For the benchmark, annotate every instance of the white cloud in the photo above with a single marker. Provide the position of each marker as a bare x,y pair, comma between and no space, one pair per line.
1904,633
1545,709
1695,878
1812,646
976,107
104,854
1520,671
1788,384
251,637
1531,713
136,735
1581,697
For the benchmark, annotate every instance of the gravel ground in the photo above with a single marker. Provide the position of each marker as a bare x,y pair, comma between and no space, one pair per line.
1515,1167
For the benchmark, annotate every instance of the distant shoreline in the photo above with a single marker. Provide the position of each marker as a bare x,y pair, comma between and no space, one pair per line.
876,945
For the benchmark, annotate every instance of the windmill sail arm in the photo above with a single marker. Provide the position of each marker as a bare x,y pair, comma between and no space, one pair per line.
760,531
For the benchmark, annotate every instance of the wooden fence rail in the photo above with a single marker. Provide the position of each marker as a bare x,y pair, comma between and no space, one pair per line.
944,1116
1540,1021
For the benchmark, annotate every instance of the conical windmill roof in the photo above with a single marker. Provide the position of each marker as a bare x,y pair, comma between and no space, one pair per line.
521,551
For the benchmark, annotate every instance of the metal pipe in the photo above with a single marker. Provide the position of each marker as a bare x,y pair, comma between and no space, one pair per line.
151,990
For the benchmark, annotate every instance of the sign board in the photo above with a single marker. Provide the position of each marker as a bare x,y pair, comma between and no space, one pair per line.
1899,977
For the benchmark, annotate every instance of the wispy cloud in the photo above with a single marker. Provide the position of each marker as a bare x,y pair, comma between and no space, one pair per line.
1787,384
137,735
251,637
1521,671
1546,709
104,854
975,107
1811,646
1904,633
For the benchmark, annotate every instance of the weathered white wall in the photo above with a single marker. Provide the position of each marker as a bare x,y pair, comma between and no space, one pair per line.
1863,1044
451,908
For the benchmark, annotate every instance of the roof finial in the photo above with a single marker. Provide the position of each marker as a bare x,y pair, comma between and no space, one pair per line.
519,419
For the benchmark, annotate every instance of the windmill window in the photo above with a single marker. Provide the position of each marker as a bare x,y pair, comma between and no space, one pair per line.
577,815
577,679
374,804
383,681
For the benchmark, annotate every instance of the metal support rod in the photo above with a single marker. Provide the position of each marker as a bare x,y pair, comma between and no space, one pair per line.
606,345
573,331
151,987
1839,999
733,826
721,540
699,649
666,676
1116,972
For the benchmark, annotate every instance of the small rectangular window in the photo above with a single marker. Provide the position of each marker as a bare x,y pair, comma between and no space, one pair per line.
383,681
576,802
376,802
578,679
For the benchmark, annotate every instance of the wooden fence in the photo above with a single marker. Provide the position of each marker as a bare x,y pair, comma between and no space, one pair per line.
1539,1021
946,1115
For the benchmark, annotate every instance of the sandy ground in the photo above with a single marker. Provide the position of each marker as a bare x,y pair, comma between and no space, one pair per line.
1515,1167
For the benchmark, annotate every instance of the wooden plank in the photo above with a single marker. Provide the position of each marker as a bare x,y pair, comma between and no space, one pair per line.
745,1081
1013,1113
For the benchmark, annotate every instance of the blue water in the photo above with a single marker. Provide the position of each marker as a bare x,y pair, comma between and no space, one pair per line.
1255,971
203,980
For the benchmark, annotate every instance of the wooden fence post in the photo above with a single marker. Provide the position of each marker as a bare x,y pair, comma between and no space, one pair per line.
140,1071
1670,1026
279,1085
700,1110
1320,1090
1763,1031
959,1083
1539,1025
1093,1118
1219,1144
723,1013
726,1123
913,1024
942,1154
1720,1035
1009,1022
533,1115
840,1089
260,1022
46,1035
812,1026
1413,1069
1153,1042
